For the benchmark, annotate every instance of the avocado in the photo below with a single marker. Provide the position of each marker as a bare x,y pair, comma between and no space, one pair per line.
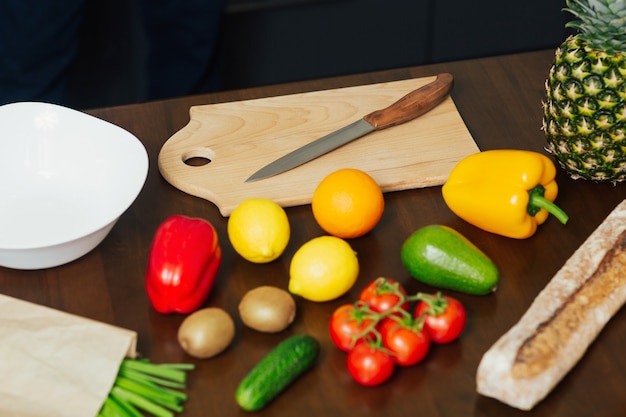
440,256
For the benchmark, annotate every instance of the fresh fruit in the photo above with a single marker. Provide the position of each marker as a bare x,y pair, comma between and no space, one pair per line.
347,203
444,317
376,341
370,365
259,230
267,309
440,256
276,371
406,339
349,324
322,269
585,111
206,332
383,294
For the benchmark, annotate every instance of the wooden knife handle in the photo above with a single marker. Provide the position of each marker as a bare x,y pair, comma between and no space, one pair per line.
414,104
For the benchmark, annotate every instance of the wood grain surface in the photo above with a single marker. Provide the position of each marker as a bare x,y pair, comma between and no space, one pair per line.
499,99
240,137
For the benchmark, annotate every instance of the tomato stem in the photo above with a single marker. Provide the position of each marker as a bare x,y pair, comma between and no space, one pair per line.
363,312
437,304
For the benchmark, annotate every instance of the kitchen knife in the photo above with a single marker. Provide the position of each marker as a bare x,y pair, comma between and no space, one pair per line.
409,107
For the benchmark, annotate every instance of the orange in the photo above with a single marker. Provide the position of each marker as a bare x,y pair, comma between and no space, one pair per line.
348,203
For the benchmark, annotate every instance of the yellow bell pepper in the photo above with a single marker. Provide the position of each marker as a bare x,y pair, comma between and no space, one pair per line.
505,191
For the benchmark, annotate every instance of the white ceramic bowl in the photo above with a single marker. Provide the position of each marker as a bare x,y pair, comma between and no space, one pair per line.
65,179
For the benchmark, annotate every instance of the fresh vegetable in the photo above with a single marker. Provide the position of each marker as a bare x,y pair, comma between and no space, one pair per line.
349,324
383,294
505,191
369,364
206,332
276,371
406,338
444,316
376,341
267,309
440,256
184,260
144,386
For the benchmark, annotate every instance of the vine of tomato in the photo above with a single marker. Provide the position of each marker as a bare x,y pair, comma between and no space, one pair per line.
380,330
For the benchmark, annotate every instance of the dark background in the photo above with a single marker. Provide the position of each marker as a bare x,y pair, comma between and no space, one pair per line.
274,41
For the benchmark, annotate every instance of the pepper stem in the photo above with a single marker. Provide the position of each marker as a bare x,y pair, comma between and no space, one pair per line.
537,202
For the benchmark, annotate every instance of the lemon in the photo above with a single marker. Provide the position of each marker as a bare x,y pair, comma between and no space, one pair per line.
322,269
258,230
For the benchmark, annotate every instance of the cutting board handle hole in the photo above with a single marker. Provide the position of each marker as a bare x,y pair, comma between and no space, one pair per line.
198,157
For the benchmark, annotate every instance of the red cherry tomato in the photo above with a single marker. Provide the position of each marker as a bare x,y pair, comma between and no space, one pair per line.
369,365
444,317
348,325
408,343
383,294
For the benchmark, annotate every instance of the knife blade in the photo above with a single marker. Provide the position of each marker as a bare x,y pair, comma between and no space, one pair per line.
409,107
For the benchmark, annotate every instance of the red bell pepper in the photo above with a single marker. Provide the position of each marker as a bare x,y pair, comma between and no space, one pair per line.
184,259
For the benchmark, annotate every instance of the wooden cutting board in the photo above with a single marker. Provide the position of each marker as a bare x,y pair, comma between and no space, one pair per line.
238,138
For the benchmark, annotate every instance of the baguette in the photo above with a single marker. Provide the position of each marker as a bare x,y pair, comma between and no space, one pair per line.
528,361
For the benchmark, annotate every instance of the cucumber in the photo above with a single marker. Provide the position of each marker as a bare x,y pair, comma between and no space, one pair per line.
276,371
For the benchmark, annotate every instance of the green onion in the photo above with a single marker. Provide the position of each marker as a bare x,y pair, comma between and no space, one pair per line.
141,386
140,376
118,408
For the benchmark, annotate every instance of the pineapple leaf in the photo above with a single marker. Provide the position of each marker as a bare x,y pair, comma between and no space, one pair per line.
601,23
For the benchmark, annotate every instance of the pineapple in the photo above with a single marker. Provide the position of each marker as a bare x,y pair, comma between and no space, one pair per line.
585,108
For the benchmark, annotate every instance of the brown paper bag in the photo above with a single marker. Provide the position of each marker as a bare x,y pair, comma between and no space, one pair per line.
56,364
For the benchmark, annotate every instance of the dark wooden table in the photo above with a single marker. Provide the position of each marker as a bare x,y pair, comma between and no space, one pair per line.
500,101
